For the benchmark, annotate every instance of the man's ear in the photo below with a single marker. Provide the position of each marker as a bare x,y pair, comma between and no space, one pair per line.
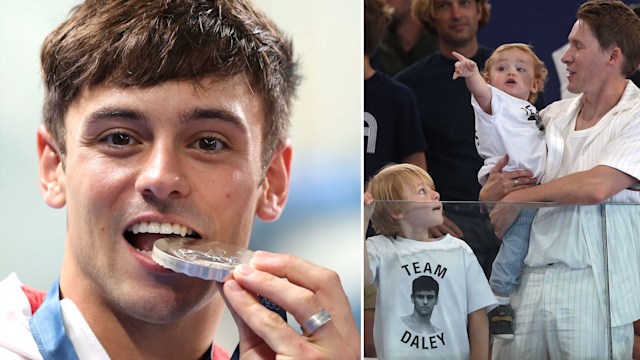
615,56
275,185
52,176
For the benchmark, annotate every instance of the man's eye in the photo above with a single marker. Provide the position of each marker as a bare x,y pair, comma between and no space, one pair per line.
119,139
209,144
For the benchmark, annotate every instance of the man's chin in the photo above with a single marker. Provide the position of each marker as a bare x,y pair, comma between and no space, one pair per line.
160,299
158,307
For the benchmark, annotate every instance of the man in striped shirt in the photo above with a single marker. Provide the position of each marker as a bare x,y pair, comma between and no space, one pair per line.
578,293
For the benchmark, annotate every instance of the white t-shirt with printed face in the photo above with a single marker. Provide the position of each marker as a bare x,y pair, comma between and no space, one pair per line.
463,288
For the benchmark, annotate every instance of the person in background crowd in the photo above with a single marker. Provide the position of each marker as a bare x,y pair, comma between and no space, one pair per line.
406,42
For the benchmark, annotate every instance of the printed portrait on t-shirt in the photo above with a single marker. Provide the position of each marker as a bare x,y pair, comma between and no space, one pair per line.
424,297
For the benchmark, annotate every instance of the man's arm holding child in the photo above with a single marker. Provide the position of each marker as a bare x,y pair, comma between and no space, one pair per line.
476,84
588,187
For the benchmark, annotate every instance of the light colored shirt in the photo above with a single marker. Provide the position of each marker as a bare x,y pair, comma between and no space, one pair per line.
573,235
463,289
509,129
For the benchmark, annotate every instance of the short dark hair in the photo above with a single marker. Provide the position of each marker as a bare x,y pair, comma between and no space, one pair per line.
142,43
377,16
425,283
614,24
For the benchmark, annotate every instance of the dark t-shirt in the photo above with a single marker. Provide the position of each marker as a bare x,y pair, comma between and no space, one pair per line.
391,125
448,124
391,58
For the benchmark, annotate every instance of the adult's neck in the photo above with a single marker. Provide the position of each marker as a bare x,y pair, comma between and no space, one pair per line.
598,102
467,48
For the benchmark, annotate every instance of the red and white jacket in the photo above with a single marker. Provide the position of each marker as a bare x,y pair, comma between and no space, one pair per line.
18,303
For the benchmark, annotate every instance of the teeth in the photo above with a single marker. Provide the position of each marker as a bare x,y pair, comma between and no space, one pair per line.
166,228
153,227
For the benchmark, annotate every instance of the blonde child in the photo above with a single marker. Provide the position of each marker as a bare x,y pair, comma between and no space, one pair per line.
432,293
507,122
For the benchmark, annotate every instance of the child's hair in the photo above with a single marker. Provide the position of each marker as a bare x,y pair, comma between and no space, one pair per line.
425,283
389,184
539,72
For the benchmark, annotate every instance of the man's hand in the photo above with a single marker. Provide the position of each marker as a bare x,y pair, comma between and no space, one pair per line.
302,289
502,216
500,184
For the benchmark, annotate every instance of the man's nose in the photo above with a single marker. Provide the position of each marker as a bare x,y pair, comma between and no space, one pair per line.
162,174
566,57
455,11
